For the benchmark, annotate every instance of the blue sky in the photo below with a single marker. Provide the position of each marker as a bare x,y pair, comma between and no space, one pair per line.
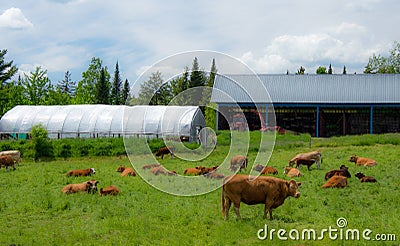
269,36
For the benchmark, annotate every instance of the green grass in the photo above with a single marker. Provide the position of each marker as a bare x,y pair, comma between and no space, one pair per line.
34,211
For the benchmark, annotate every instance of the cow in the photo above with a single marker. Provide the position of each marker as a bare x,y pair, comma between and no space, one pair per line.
110,190
16,155
84,172
316,156
364,178
88,186
164,151
336,181
362,161
292,172
343,171
265,170
238,161
266,190
305,162
209,169
214,175
126,171
7,161
199,170
160,170
150,166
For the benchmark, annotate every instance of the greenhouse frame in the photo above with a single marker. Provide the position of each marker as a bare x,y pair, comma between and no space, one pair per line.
93,121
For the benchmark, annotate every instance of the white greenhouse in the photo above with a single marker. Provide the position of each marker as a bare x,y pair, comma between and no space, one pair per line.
92,121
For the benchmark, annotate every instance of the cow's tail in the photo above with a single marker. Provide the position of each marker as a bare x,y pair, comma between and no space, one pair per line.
223,199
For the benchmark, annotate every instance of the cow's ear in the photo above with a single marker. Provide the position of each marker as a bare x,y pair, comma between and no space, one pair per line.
298,183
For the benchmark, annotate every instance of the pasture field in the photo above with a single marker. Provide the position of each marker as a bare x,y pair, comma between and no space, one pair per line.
34,211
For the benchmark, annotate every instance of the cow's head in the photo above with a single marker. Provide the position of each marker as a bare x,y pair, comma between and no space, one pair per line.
293,188
359,175
343,167
120,169
92,170
353,158
91,186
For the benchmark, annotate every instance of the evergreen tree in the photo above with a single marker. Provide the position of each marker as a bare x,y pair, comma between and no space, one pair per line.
102,89
344,70
330,71
7,70
125,92
301,70
213,73
196,76
67,85
116,97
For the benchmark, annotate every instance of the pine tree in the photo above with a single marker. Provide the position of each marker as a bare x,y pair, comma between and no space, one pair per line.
196,76
344,70
67,85
330,71
125,92
213,73
116,97
102,89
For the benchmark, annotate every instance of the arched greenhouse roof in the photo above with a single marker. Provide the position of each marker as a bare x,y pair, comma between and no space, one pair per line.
104,120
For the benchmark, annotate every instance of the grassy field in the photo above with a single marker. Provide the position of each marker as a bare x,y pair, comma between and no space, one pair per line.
34,211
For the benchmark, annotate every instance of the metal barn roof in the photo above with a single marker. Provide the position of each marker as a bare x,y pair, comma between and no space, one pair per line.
327,89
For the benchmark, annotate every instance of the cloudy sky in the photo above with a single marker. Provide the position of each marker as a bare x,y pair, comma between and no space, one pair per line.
269,36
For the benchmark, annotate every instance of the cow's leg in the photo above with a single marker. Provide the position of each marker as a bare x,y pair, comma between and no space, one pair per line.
268,208
236,206
226,207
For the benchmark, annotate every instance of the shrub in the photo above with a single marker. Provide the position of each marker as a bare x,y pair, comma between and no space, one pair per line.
41,144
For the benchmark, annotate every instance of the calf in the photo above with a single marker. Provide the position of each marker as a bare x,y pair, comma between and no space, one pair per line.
362,161
336,181
164,151
266,190
110,190
316,156
88,186
194,171
209,169
126,171
7,161
364,178
305,162
265,170
84,172
238,161
15,154
292,172
343,171
160,170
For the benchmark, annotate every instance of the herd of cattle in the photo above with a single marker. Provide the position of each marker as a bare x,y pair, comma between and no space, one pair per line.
236,188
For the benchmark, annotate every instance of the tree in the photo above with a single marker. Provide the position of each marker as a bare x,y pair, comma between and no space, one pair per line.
381,64
301,70
102,89
116,97
344,70
36,87
41,143
7,71
197,77
321,70
125,92
67,86
213,73
330,71
154,91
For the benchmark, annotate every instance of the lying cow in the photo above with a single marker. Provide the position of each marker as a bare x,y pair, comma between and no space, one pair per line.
265,170
150,166
214,175
199,170
209,169
15,154
266,190
160,170
364,178
88,186
238,161
126,171
110,190
336,181
164,151
292,172
7,161
362,161
84,172
315,156
343,171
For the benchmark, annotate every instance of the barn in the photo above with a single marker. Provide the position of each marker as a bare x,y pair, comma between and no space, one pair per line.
321,105
93,121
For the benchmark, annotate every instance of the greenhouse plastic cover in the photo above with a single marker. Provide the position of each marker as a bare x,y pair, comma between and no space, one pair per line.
104,120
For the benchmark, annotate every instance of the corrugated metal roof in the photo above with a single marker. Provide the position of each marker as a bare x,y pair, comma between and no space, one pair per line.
315,88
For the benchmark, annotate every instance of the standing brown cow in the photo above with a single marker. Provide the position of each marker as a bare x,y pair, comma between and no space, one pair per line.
7,161
305,158
238,161
266,190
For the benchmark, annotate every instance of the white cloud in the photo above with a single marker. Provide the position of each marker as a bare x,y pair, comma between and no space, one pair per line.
14,18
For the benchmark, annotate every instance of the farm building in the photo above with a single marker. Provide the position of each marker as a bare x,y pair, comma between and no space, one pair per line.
92,121
322,105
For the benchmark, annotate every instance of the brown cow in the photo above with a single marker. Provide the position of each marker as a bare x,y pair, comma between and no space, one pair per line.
7,161
364,178
362,161
266,190
209,169
316,156
150,166
88,186
343,171
84,172
305,162
110,190
238,161
160,170
126,171
194,171
292,172
265,170
336,182
214,175
15,154
165,150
